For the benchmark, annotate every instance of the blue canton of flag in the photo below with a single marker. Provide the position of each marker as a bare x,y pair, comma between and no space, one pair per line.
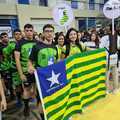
52,78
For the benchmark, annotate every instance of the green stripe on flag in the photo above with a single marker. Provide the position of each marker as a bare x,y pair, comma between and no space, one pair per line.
86,63
92,52
57,99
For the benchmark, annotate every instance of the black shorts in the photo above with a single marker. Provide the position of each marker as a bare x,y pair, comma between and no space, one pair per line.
30,80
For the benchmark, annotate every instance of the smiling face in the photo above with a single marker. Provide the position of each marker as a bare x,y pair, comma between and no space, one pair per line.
93,37
73,36
61,40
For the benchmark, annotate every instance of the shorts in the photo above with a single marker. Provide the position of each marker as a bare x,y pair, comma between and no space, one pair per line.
30,80
7,78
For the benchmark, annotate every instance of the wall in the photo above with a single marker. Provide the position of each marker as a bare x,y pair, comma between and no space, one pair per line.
26,13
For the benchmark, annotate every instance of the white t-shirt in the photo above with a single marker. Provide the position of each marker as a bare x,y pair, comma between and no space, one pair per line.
90,44
104,42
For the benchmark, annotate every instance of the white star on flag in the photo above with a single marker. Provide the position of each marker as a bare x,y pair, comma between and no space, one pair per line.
54,78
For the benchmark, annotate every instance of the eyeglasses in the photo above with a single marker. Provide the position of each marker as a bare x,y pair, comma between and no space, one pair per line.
5,36
49,31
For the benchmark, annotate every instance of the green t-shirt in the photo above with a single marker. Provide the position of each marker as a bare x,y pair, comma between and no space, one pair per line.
59,49
74,49
5,58
24,47
43,55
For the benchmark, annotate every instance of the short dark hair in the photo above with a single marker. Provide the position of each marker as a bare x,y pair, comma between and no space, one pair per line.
2,34
48,26
16,30
28,26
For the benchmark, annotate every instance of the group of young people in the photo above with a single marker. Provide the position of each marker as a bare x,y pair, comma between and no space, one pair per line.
20,57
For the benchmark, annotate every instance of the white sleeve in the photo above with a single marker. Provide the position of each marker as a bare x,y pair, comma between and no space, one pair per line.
118,43
104,42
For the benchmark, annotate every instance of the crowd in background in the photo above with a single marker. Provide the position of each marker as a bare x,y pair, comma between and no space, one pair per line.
27,50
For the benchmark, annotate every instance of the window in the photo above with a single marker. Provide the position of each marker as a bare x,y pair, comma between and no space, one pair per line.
14,23
4,22
74,4
91,22
8,24
43,2
92,4
82,24
23,1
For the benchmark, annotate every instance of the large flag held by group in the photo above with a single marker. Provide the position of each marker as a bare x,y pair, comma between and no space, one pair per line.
68,86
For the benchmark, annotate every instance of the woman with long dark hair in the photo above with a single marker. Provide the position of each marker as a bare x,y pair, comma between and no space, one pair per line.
59,41
94,41
72,43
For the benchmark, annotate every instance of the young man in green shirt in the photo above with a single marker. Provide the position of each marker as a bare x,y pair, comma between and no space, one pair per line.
44,53
17,83
5,63
9,54
22,51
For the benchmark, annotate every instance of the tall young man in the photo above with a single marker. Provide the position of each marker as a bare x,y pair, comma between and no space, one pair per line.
44,53
5,63
17,83
22,51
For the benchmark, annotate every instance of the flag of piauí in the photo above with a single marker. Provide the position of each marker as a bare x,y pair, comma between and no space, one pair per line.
68,86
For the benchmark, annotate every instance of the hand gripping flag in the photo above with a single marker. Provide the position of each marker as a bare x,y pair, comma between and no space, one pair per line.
66,87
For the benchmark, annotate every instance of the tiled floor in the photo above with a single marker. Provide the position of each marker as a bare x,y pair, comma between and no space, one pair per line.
15,113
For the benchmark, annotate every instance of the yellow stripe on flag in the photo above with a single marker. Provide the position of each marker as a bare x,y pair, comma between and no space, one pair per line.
58,93
57,105
84,59
84,68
